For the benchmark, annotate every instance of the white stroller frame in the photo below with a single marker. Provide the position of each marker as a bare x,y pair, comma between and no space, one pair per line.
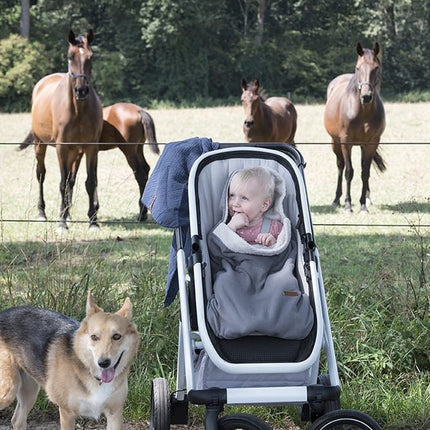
319,394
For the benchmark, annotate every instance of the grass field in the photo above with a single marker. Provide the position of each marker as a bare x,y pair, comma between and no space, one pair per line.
375,266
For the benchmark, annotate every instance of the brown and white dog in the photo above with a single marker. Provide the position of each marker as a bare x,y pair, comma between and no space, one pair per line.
82,367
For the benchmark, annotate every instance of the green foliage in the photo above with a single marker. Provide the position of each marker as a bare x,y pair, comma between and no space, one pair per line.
22,63
9,17
188,52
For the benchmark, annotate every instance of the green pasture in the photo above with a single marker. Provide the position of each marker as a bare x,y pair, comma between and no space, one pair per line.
375,266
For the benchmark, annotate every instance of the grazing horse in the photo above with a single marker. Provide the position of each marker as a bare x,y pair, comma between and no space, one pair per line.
127,126
66,112
267,120
354,114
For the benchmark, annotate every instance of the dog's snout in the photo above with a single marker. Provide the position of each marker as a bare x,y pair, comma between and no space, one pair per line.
104,363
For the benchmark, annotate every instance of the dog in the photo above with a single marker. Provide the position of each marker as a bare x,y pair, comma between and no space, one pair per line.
83,367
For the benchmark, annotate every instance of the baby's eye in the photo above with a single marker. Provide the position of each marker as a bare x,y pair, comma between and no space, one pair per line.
245,198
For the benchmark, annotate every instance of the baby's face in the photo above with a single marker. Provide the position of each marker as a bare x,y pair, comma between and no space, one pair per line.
247,198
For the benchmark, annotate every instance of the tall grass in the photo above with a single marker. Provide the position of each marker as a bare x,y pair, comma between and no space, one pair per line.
375,267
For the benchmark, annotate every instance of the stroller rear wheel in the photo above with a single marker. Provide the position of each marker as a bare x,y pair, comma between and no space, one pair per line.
242,421
345,419
160,405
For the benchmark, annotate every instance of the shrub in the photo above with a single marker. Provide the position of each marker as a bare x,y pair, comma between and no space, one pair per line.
22,64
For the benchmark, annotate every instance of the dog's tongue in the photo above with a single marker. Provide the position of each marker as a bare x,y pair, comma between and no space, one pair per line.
107,375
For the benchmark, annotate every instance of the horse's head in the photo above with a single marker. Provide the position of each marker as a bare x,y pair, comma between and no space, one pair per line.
250,100
79,58
367,72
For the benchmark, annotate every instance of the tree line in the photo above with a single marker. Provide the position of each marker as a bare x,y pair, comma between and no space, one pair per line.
193,52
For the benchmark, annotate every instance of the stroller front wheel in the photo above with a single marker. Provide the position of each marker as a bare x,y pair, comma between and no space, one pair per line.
160,405
345,419
242,421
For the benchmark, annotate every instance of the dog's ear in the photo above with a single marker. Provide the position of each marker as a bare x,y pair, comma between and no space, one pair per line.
92,308
126,309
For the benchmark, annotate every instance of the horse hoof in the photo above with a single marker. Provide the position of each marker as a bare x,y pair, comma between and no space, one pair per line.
62,229
364,210
42,218
94,227
348,211
335,204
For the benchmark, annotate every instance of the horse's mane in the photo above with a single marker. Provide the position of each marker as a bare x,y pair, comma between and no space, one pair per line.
261,91
263,94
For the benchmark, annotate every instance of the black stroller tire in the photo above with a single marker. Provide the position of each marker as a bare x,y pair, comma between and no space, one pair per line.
242,421
160,405
345,419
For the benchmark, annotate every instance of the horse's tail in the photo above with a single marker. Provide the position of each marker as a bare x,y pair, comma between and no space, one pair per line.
149,127
379,161
27,141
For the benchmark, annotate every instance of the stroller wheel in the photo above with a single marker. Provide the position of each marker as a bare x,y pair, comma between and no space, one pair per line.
345,419
160,405
242,421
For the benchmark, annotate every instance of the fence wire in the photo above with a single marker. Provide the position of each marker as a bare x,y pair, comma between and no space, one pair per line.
151,222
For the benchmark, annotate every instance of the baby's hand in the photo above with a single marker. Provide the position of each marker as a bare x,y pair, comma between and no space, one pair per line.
238,220
266,239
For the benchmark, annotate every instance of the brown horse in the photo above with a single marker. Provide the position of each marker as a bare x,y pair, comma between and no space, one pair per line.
354,113
267,120
66,109
127,126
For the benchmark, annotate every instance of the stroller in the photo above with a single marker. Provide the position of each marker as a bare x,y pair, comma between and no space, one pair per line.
255,368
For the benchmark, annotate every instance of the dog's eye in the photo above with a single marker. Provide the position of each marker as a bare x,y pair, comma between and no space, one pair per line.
116,336
94,338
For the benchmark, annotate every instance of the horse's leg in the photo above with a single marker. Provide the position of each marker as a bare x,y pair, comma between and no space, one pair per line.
91,155
349,174
367,153
136,160
340,166
40,152
66,154
75,163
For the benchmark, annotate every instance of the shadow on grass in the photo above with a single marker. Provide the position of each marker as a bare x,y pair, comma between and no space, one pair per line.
324,209
131,223
408,207
401,207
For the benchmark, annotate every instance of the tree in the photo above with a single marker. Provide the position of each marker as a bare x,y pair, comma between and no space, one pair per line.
402,27
25,19
189,51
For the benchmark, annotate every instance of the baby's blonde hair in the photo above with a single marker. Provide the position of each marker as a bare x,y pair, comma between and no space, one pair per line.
264,176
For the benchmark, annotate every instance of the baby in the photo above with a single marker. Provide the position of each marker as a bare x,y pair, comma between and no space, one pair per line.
250,195
253,253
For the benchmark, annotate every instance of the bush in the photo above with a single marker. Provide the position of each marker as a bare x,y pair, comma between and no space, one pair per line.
22,64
